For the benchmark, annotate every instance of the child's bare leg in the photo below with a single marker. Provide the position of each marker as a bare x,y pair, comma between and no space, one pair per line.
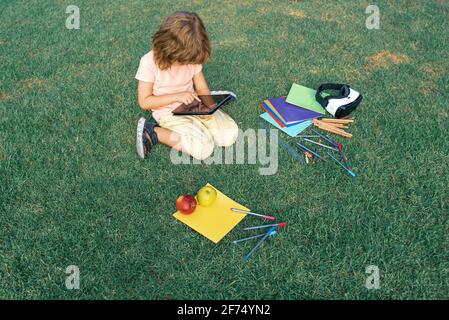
169,137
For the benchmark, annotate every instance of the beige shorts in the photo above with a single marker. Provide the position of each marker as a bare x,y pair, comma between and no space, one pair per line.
200,134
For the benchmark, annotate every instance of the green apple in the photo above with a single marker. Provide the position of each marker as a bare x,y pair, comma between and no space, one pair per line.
206,196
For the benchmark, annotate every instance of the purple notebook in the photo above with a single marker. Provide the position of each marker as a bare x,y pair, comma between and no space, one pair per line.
289,112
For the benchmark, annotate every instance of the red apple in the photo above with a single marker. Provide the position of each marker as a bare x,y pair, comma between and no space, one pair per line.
186,203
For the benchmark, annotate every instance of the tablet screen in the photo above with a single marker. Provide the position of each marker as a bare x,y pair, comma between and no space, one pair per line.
207,105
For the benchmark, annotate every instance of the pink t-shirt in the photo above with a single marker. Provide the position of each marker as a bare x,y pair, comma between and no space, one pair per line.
172,80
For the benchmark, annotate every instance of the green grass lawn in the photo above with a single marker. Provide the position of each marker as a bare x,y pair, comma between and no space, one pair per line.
74,192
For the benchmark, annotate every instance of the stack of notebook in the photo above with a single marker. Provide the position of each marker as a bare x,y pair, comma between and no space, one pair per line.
294,113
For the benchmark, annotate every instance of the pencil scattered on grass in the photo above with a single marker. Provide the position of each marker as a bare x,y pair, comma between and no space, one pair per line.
334,125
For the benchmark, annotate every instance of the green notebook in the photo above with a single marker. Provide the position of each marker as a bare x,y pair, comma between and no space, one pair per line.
305,98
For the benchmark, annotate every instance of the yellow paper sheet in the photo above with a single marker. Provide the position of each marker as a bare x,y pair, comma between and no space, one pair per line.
216,220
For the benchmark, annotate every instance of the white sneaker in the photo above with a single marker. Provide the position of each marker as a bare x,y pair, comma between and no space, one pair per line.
146,137
139,139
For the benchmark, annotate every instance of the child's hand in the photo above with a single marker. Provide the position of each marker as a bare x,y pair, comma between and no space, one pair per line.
187,97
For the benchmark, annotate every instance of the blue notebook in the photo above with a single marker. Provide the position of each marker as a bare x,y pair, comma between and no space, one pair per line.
292,130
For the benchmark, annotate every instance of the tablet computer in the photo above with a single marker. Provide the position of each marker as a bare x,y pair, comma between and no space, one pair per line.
208,105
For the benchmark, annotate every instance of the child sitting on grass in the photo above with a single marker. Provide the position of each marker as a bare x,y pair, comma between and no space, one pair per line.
167,77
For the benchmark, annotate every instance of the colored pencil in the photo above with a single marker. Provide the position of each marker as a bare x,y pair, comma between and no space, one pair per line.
338,126
337,120
324,124
320,144
280,224
307,136
344,158
335,125
352,173
332,125
254,237
332,142
332,129
253,214
290,150
311,151
258,244
286,146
